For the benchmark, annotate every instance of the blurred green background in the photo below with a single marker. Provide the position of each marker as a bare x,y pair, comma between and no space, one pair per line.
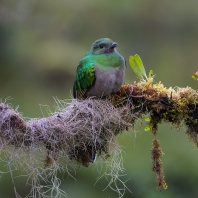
41,43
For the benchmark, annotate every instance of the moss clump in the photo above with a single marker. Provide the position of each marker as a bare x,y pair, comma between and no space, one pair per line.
156,154
80,130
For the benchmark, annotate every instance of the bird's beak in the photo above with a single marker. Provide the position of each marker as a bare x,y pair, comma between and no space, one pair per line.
113,45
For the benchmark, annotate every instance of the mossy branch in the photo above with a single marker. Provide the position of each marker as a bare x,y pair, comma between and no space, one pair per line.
81,129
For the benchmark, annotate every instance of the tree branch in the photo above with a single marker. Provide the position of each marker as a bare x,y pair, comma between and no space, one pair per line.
80,130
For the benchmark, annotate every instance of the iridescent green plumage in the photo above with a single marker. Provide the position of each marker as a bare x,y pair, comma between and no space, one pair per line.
84,76
100,72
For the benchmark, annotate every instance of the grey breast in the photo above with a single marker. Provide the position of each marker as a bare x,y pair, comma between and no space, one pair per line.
107,82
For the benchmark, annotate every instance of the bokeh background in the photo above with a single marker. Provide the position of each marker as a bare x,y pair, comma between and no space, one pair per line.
41,43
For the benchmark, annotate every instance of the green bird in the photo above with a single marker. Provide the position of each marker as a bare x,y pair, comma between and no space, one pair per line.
100,72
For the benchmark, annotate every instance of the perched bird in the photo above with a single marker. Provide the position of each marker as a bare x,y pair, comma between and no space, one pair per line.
100,72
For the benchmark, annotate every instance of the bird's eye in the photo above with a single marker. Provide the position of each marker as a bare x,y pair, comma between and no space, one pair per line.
101,46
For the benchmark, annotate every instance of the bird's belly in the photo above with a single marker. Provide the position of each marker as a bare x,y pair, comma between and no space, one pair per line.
107,82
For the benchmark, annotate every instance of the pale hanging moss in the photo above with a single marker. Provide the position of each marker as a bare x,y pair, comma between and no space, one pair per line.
74,134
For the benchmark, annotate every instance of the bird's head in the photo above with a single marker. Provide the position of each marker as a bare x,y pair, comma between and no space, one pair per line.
103,46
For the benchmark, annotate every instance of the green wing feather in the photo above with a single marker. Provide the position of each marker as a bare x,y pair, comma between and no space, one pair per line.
84,78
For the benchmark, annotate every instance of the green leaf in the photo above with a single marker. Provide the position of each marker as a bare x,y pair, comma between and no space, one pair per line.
137,66
195,76
148,119
150,75
148,128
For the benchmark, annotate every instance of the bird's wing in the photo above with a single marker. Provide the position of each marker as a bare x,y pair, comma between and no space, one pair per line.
85,78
